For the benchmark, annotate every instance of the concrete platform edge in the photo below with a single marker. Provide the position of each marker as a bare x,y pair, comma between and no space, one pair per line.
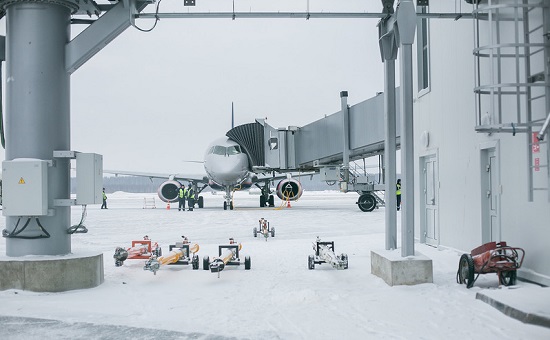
517,314
55,274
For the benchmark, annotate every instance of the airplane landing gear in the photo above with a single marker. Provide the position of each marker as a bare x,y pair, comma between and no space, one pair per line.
228,203
201,202
266,198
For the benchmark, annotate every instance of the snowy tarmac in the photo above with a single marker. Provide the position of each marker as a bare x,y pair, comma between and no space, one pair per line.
279,298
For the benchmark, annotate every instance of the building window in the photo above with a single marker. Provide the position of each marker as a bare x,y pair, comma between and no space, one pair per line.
423,52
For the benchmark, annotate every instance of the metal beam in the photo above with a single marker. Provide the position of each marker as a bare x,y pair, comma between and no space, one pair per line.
296,15
99,34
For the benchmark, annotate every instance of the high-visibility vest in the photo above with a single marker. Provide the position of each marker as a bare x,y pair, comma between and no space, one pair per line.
182,193
104,196
398,189
190,193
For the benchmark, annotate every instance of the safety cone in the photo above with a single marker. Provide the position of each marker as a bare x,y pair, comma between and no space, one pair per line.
168,206
288,204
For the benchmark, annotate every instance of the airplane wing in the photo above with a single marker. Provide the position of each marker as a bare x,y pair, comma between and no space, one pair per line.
151,175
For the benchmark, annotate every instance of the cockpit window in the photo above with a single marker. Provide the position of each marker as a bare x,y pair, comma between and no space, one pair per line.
233,150
225,151
218,150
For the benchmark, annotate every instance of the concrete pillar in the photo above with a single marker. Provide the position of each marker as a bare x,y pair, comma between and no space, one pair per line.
38,113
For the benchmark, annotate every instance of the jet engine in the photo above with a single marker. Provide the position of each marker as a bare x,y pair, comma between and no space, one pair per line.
168,191
289,189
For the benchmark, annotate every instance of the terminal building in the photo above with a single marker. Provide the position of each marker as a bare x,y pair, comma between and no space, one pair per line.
481,104
481,99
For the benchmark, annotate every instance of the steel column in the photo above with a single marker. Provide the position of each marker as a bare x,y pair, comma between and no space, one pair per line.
407,152
546,29
406,20
38,113
389,154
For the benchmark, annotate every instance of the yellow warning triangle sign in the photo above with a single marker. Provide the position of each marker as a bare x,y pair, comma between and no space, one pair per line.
21,181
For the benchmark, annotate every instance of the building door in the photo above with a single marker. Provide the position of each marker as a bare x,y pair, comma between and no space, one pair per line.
490,196
429,205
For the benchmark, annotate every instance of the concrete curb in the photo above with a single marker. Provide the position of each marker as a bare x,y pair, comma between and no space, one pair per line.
525,317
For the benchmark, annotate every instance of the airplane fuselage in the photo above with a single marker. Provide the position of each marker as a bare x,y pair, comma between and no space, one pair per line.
226,165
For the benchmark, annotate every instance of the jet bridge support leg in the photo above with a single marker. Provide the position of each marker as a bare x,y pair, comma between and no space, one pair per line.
389,50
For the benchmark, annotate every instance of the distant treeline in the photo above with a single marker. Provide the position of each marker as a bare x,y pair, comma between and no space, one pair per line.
144,184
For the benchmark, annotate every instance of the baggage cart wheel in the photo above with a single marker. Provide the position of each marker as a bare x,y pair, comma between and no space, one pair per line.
247,263
310,262
344,258
206,263
508,278
195,262
466,270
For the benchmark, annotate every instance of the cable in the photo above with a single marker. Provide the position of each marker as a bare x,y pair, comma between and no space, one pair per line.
79,228
156,20
14,233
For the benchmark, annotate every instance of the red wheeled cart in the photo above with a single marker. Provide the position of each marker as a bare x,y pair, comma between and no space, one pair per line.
491,257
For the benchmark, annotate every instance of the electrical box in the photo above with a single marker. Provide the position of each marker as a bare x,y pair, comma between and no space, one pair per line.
25,187
329,173
89,178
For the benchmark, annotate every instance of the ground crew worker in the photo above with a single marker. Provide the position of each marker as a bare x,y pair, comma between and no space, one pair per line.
191,197
181,197
104,205
398,193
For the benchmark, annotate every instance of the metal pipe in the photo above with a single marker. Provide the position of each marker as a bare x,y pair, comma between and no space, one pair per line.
345,128
542,131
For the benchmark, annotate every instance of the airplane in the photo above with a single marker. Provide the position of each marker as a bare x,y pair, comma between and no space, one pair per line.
227,169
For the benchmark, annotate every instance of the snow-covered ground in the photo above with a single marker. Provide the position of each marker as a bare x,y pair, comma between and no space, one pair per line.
279,298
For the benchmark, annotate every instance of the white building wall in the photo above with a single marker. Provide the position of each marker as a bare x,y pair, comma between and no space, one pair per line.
447,113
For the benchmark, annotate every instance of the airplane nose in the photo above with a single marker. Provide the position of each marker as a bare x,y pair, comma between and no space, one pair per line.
229,171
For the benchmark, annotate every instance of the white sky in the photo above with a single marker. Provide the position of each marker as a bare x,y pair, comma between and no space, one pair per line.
149,101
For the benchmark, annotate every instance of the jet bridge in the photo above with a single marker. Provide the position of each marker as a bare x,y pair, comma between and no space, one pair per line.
320,146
